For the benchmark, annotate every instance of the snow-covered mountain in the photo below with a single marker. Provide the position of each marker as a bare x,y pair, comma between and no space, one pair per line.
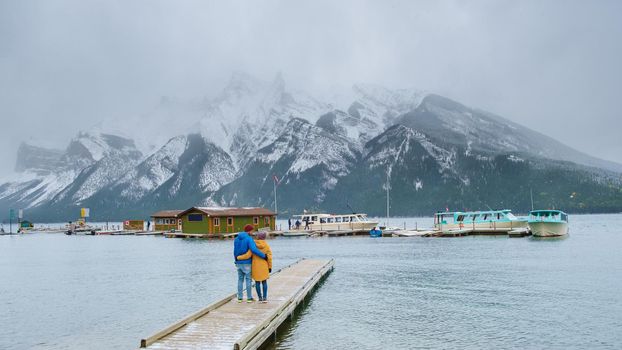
250,114
453,123
88,164
307,159
328,155
37,160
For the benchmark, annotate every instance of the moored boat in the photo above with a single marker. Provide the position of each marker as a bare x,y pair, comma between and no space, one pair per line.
492,221
548,223
375,232
332,222
80,226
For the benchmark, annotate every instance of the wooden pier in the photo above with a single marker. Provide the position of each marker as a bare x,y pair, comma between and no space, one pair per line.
227,324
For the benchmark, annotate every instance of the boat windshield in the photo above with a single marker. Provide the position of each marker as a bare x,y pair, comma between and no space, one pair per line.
444,218
511,216
548,216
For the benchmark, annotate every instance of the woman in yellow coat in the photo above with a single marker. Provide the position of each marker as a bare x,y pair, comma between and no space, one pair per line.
260,268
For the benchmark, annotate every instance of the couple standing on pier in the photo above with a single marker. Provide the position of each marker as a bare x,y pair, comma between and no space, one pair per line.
252,258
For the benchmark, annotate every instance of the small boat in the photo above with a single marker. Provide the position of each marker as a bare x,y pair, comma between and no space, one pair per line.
548,223
479,221
80,227
375,232
332,222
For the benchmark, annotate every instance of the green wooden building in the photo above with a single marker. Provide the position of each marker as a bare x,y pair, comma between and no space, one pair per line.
214,220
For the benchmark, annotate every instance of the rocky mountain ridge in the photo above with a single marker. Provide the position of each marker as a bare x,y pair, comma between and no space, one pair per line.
436,153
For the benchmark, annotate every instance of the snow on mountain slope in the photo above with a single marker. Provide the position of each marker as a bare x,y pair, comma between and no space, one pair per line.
382,105
347,125
112,156
33,189
397,141
167,118
90,162
453,123
217,169
153,171
250,114
305,146
308,160
202,168
37,160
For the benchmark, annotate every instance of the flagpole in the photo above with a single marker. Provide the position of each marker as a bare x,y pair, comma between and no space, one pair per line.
388,184
276,212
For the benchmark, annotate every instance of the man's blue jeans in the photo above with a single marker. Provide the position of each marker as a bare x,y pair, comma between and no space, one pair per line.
244,272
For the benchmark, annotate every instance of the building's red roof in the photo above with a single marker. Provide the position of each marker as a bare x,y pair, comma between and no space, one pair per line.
225,211
166,214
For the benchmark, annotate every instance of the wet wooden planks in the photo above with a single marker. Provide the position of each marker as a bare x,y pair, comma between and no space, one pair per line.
227,324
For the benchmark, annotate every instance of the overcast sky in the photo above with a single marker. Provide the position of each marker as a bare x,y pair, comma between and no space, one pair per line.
552,65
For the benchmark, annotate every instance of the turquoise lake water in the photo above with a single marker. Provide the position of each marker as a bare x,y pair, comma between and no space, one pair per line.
106,292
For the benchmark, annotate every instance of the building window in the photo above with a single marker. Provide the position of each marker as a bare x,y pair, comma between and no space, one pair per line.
159,221
255,220
216,221
195,217
229,221
266,220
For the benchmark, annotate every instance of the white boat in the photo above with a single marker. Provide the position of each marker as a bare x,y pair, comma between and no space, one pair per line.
333,222
80,226
548,223
478,221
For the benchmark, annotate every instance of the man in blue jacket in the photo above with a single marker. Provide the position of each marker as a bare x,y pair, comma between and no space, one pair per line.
242,243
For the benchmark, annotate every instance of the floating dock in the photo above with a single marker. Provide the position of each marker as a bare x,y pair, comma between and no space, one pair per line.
227,324
292,233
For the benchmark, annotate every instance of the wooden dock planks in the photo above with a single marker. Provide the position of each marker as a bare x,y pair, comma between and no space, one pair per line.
228,324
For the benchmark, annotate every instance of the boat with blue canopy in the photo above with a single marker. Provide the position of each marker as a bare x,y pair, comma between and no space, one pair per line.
492,221
548,223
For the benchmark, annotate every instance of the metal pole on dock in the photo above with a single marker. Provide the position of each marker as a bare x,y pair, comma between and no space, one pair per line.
20,217
388,182
275,208
10,220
